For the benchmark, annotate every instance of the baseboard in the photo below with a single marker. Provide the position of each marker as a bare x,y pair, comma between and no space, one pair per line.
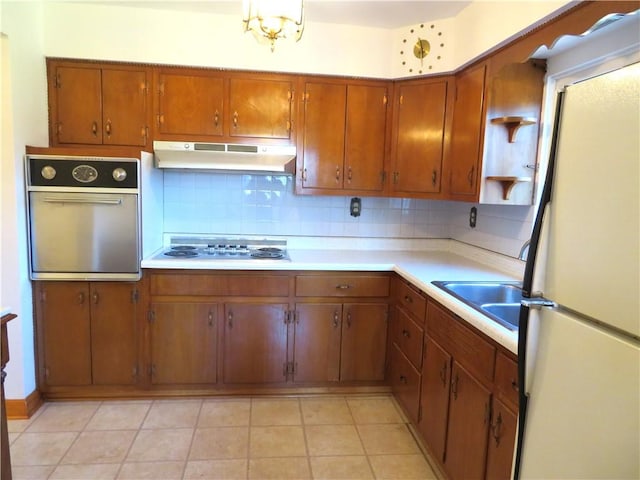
22,409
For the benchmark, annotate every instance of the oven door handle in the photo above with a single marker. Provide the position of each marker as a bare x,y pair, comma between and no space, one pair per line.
94,200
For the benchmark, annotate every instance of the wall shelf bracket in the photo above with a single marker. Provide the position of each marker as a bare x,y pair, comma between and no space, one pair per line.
508,183
513,124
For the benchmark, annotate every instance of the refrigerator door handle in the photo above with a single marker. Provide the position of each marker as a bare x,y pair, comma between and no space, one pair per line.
538,303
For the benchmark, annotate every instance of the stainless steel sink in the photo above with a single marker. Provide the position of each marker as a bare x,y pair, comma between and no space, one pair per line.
507,312
500,301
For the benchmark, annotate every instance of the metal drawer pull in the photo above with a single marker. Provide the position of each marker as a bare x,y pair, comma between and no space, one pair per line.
406,334
408,299
343,286
100,201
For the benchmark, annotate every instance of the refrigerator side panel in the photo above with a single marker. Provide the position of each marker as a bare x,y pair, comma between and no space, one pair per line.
594,243
583,417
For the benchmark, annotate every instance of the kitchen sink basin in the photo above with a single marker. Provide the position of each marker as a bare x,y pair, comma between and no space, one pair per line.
505,312
500,301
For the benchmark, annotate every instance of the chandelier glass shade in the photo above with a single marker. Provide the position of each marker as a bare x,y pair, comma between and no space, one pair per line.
273,19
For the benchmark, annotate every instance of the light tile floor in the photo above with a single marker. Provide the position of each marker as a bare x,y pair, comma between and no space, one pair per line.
322,437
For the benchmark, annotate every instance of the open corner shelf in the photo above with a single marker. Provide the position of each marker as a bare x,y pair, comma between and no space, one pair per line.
513,124
508,183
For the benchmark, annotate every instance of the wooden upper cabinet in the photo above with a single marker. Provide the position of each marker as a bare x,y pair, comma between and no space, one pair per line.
93,104
323,138
344,138
419,136
466,134
260,108
209,105
365,134
189,104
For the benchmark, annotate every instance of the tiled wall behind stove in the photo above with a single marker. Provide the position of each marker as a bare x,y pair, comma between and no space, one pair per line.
234,204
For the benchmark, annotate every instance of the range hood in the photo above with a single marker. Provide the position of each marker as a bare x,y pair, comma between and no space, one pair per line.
225,157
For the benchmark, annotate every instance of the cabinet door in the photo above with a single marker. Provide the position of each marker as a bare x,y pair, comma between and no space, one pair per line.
364,340
434,400
502,437
323,148
113,333
190,104
255,343
366,121
316,347
64,318
466,134
124,115
260,108
405,383
420,134
469,412
183,343
78,96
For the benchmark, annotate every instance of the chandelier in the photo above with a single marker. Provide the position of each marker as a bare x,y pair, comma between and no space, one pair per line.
270,20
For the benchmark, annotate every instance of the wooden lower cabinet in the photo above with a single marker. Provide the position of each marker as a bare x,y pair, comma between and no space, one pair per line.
468,426
463,398
335,342
183,339
502,438
88,332
434,398
255,343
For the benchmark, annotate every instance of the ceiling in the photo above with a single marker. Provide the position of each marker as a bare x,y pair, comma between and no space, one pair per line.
387,14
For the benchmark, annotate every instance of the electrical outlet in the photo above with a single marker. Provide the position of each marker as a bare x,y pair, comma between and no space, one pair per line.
473,215
356,207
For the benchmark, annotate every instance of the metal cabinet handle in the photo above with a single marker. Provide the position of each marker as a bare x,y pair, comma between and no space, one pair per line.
343,286
230,319
406,334
94,129
337,173
216,118
349,320
235,119
210,318
80,298
408,299
470,175
95,298
443,374
434,177
335,320
403,379
107,128
454,387
349,174
496,429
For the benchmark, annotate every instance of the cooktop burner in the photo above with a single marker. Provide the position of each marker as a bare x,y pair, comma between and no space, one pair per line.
182,253
202,248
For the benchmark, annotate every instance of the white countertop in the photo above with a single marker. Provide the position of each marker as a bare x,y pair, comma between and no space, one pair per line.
418,267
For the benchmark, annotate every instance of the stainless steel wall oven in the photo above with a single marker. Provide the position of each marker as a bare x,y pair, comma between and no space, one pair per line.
83,218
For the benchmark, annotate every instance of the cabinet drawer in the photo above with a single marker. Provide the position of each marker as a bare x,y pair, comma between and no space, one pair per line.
411,300
409,337
215,285
506,379
342,286
468,348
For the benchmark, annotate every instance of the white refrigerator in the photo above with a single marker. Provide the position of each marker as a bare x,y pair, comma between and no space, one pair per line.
580,358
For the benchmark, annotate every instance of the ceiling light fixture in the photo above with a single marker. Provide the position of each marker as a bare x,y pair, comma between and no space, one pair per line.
273,19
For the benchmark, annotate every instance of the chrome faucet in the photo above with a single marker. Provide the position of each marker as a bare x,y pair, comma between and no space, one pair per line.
524,250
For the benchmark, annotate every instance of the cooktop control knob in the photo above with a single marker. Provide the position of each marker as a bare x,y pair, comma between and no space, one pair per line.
48,172
119,174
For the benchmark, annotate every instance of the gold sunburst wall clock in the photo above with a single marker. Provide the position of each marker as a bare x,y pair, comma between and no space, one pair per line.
422,49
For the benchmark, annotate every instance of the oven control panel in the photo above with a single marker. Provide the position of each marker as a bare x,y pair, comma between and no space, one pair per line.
90,172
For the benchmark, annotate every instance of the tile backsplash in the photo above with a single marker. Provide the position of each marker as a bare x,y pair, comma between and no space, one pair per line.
242,204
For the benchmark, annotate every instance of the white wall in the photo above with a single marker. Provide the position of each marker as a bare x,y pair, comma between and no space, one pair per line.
24,115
